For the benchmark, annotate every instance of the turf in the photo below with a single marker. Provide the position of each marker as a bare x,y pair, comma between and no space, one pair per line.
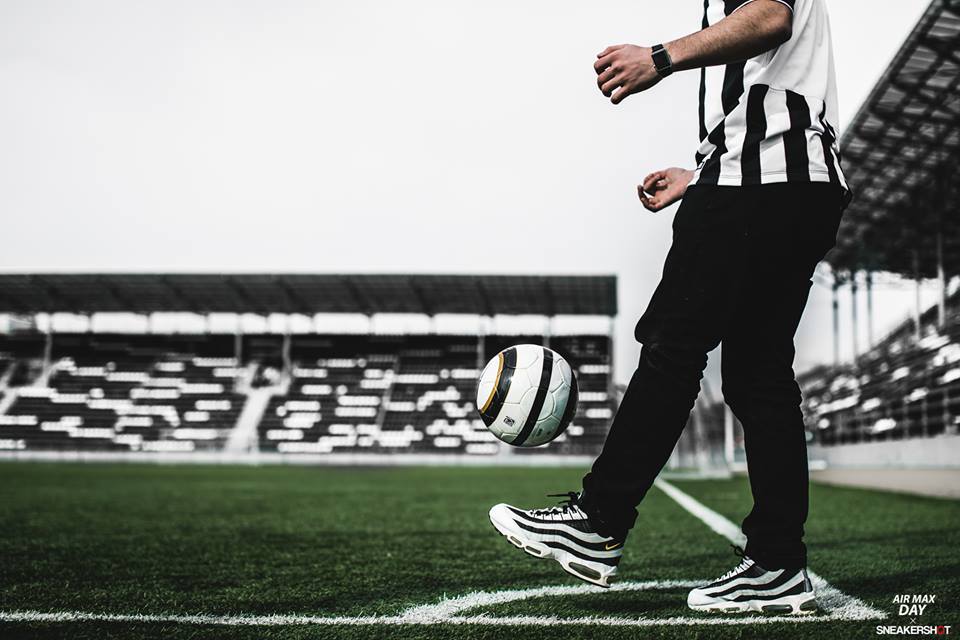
374,541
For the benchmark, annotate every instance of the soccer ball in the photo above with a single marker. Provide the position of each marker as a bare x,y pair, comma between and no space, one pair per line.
527,395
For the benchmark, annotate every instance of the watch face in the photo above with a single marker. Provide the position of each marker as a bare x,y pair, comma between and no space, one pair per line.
661,60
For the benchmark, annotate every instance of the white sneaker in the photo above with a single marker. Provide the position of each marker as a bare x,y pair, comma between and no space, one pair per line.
564,534
750,587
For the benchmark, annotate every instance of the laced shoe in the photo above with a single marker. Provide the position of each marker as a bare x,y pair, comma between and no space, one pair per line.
563,533
750,587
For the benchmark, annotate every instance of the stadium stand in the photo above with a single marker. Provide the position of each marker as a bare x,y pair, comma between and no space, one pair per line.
900,155
906,387
385,394
320,393
115,392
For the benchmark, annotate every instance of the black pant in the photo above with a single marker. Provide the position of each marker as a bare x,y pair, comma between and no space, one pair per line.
738,273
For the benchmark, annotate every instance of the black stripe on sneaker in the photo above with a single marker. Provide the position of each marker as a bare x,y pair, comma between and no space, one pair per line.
545,374
592,546
793,591
753,571
612,562
775,581
503,387
579,525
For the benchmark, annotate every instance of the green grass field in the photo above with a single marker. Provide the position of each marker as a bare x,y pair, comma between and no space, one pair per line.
226,541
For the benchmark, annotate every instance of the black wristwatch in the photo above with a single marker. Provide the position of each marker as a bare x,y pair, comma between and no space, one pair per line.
662,61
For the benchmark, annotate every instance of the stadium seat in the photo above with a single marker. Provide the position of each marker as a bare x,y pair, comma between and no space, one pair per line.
328,394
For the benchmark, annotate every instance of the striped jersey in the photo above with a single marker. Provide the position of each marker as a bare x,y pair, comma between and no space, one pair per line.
772,118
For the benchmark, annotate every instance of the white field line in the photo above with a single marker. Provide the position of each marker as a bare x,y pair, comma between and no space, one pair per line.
481,620
449,607
444,612
840,605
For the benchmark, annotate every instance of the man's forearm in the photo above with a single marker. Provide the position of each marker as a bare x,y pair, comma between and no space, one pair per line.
754,29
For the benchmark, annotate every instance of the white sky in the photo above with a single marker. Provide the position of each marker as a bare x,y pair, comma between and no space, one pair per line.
447,136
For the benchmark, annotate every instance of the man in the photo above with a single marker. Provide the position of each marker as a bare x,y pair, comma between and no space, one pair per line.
759,212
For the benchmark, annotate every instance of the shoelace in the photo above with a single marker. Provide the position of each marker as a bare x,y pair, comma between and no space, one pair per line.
743,566
571,502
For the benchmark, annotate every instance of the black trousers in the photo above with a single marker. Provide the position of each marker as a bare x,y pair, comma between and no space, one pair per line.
739,272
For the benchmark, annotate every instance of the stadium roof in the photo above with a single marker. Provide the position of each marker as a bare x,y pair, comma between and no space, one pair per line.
901,157
309,294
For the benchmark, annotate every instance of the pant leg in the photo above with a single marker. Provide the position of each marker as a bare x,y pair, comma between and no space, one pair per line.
762,392
702,277
791,227
649,421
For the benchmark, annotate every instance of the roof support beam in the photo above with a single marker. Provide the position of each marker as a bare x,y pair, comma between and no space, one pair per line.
308,294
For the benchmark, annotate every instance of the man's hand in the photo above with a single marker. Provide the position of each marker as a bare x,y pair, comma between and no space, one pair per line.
626,67
753,29
661,189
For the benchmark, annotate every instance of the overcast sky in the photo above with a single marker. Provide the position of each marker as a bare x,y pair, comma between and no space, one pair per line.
447,136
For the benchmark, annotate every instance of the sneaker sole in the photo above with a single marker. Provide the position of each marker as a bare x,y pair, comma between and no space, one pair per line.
596,574
801,605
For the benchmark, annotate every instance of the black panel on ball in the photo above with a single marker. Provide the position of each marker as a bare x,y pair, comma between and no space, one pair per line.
503,387
571,409
545,374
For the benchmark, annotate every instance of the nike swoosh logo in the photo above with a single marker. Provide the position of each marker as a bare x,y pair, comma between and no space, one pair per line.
611,547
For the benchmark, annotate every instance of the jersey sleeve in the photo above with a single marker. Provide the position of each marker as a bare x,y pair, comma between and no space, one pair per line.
733,5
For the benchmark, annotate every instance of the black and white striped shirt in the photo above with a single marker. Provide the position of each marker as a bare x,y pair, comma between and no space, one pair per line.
772,118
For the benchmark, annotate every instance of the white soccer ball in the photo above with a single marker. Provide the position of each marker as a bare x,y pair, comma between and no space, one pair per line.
527,395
